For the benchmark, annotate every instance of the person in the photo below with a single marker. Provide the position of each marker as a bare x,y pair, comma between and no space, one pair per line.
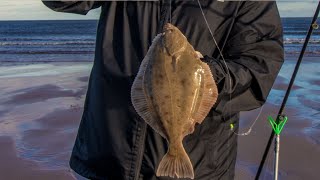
113,142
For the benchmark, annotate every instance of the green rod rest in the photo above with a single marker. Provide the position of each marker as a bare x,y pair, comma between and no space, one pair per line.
277,128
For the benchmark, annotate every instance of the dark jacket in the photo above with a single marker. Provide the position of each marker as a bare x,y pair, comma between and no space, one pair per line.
113,142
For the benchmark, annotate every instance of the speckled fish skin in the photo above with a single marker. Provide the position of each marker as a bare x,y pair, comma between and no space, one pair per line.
173,90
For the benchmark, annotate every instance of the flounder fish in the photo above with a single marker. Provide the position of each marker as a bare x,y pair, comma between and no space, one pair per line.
173,91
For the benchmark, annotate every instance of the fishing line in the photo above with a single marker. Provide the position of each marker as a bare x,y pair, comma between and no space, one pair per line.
250,128
280,115
228,74
224,61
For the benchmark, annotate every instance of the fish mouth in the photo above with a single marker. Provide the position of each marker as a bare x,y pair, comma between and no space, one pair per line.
168,28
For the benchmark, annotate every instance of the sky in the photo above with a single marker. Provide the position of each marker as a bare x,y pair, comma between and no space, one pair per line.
36,10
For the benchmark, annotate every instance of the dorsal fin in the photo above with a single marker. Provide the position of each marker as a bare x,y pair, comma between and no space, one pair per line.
139,95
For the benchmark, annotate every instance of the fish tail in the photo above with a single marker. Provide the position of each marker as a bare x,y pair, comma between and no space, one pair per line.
178,166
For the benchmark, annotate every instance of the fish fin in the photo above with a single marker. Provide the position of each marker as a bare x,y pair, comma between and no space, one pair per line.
198,54
138,94
178,166
209,97
189,127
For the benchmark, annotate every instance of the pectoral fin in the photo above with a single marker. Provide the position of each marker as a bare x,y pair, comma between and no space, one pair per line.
209,97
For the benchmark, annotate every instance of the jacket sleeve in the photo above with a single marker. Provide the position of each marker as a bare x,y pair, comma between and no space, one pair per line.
254,54
76,7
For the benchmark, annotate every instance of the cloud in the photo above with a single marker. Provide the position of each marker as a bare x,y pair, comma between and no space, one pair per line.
297,9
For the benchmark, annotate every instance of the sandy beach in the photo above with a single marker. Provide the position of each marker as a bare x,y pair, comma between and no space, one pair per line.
41,105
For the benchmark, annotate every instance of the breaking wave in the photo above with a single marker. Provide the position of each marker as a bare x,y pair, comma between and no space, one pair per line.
300,41
21,43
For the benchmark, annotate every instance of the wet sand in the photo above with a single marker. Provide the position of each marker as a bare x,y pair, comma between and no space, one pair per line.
13,167
300,138
41,106
40,109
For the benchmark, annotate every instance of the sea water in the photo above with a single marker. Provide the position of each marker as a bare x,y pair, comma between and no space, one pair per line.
74,40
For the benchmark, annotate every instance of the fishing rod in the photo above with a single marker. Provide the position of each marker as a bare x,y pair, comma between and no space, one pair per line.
281,119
